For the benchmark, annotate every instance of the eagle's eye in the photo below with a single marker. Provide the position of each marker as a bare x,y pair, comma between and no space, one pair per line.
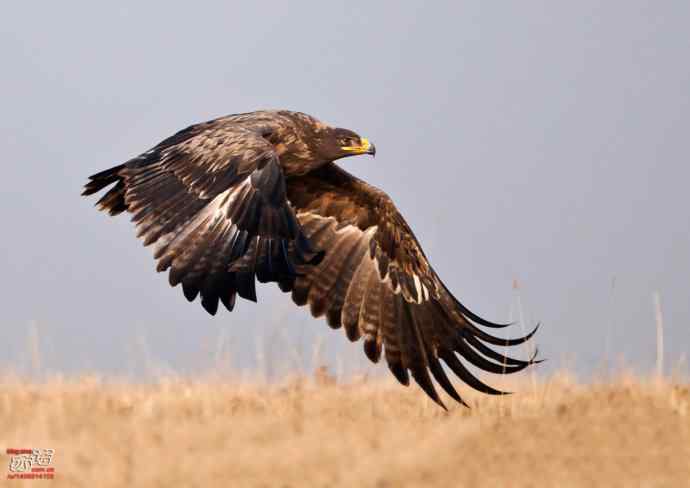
349,142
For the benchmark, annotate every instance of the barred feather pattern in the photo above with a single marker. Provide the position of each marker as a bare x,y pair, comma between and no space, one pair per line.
211,200
376,283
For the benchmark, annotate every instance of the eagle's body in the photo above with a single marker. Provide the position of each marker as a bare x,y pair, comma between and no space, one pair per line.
257,196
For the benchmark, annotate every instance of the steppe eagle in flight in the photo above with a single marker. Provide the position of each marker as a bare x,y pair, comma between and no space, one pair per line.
258,196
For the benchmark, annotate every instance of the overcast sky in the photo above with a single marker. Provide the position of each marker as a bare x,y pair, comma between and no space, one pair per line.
547,142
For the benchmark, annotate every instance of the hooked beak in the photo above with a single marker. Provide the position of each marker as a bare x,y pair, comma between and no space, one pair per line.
365,147
371,150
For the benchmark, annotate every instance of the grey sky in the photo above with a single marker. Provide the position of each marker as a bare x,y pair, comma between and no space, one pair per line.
543,141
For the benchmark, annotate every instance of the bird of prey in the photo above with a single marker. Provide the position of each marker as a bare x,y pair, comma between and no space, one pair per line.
258,197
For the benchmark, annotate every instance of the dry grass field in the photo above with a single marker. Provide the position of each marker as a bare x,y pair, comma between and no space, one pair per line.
313,433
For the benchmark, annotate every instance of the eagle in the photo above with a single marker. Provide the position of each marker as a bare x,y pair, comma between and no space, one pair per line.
258,197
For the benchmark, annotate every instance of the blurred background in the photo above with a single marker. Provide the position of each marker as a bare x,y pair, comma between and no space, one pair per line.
539,150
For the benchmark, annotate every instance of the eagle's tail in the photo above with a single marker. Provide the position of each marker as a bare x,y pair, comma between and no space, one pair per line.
113,201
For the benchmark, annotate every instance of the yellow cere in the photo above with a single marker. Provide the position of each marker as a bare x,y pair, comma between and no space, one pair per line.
364,147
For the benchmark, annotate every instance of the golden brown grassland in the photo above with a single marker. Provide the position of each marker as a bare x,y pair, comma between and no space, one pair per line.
627,431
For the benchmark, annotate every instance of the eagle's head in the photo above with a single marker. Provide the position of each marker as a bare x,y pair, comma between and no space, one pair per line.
340,143
308,143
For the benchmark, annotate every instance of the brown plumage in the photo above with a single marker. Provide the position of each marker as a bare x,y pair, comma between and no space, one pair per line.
258,196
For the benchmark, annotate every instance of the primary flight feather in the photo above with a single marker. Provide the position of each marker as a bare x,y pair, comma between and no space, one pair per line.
258,196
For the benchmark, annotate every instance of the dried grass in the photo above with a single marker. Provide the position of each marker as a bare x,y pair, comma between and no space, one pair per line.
313,432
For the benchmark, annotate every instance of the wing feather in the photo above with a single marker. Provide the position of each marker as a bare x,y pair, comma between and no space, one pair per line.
369,314
320,290
376,282
354,299
212,200
215,204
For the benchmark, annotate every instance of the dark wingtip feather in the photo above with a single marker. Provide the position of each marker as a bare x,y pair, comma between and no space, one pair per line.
469,314
300,294
497,341
102,179
464,374
372,349
113,201
210,303
246,287
175,276
333,317
286,284
481,362
190,291
400,373
228,300
422,378
92,187
443,380
490,353
479,320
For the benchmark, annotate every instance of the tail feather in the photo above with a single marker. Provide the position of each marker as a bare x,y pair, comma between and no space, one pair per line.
113,201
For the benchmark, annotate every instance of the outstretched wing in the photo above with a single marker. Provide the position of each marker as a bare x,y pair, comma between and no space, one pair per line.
212,201
376,282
